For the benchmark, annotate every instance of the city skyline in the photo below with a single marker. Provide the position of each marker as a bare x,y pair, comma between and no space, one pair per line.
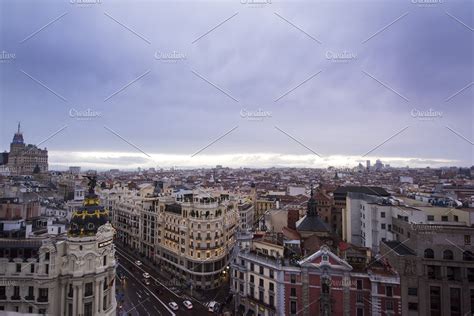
299,85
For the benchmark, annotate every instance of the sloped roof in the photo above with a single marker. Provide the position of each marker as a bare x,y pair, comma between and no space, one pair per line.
312,224
378,191
399,248
317,261
290,234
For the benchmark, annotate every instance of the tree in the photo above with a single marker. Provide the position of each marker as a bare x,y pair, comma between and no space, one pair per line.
36,169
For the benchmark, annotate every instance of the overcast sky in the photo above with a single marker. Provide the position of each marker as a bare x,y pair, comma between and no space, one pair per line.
293,83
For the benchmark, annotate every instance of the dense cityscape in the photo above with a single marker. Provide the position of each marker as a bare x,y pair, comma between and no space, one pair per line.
367,240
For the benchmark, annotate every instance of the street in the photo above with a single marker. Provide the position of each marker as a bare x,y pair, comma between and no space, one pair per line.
141,299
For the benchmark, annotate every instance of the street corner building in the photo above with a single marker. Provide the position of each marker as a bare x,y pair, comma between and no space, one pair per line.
64,275
189,234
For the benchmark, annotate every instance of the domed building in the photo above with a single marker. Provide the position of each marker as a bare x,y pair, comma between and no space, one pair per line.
87,220
311,224
63,276
89,261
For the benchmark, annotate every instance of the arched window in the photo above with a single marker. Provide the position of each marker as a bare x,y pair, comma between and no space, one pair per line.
448,255
429,253
467,255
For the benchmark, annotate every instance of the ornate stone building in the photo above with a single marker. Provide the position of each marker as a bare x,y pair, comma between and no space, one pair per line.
264,281
189,234
62,276
196,236
26,159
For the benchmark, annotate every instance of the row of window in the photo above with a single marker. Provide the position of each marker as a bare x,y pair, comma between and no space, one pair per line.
88,288
41,311
19,268
444,218
448,254
452,273
261,282
42,294
260,269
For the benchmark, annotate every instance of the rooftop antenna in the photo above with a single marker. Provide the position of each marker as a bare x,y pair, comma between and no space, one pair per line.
18,127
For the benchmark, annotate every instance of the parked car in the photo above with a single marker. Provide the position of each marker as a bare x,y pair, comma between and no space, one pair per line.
173,306
188,304
146,281
138,263
146,275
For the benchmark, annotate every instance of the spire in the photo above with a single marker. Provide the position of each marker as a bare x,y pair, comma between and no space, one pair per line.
18,136
312,204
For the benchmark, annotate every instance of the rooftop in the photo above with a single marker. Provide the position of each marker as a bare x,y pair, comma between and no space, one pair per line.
343,190
399,248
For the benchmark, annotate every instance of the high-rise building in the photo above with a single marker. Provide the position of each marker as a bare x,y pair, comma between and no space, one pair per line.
378,164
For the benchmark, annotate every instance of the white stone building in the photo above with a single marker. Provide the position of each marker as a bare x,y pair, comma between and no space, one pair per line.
73,275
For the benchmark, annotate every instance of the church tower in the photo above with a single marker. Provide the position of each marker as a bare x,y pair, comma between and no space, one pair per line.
17,144
311,223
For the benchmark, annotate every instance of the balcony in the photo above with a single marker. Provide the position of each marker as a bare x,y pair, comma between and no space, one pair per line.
29,298
198,247
16,297
261,302
42,299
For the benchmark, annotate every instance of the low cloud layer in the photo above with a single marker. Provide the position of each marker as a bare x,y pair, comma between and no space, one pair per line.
132,161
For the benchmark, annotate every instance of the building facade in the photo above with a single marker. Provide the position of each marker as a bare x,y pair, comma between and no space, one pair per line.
26,159
196,236
246,215
189,235
68,276
436,267
265,282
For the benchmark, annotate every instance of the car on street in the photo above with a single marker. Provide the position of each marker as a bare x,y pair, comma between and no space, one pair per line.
138,263
146,281
212,306
173,306
188,304
146,275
